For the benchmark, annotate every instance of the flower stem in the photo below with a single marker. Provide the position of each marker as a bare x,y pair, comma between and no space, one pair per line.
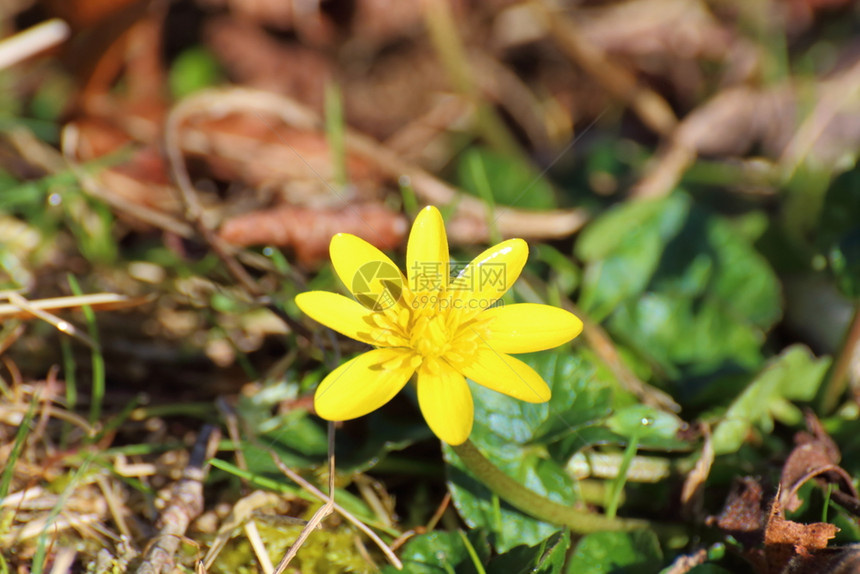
534,504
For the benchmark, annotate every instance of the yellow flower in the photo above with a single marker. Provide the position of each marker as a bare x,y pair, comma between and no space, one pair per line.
445,328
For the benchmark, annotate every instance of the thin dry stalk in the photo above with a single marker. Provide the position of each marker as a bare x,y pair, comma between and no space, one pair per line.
22,308
117,509
232,422
20,304
32,41
259,548
319,515
64,560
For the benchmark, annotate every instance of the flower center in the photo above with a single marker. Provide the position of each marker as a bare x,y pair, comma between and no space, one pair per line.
433,334
430,336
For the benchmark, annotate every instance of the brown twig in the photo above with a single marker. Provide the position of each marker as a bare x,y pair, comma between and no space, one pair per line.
186,504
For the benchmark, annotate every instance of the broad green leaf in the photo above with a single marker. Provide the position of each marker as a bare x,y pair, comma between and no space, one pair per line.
512,181
563,272
623,249
792,376
611,552
548,557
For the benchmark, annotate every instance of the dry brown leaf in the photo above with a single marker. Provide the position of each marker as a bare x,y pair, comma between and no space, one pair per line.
402,85
815,456
743,512
256,59
786,540
309,231
265,153
305,18
651,29
379,22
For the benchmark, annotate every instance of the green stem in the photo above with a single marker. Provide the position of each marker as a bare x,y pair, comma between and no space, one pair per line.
617,486
534,504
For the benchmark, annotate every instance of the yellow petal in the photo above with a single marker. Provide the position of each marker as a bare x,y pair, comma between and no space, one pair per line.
363,384
487,277
446,402
528,327
339,313
505,374
367,272
427,253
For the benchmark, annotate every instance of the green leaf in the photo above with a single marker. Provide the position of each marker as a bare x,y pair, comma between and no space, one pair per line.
660,432
792,376
516,436
623,249
709,303
615,552
839,232
512,181
845,262
441,552
548,557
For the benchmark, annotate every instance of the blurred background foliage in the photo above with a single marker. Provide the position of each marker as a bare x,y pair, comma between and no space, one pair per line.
685,173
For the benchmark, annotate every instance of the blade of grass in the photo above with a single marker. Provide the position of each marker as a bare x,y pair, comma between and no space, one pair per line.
334,129
40,555
69,368
17,447
449,46
115,422
473,555
260,481
98,362
479,176
407,193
